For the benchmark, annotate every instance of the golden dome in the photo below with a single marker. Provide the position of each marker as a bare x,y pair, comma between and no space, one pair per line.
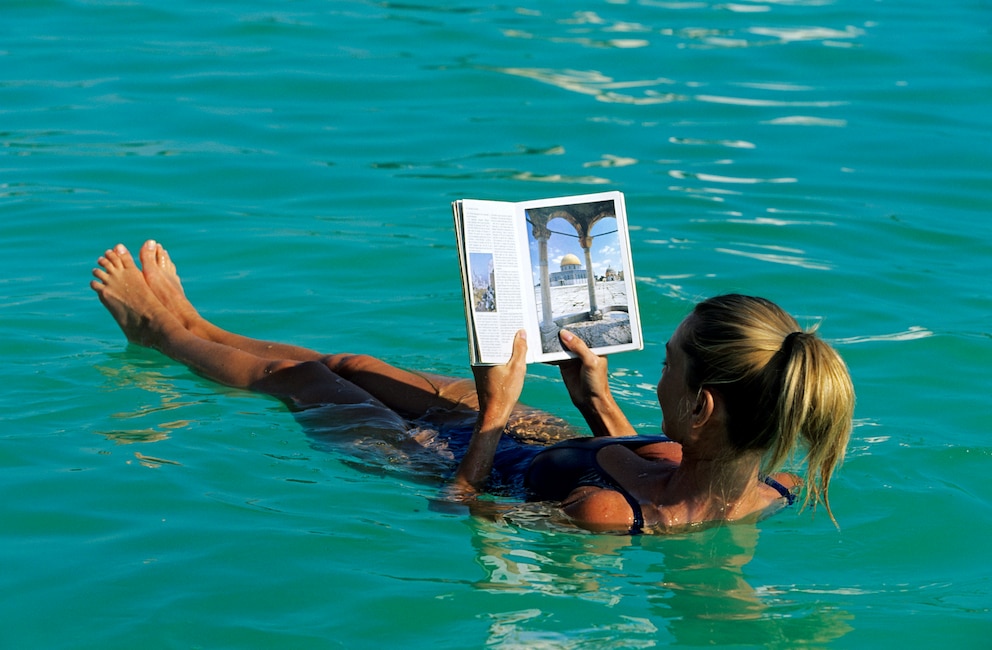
570,260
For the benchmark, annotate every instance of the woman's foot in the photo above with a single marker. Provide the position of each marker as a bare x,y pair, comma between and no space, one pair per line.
163,279
123,290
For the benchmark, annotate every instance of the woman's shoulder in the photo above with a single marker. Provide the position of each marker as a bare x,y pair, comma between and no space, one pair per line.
598,509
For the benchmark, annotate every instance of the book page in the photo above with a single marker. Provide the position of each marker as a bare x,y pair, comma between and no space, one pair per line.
492,265
583,276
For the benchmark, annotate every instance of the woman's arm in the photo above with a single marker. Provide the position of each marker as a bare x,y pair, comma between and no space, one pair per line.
499,388
588,385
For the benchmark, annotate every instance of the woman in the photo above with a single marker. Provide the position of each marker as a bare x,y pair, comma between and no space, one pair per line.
742,387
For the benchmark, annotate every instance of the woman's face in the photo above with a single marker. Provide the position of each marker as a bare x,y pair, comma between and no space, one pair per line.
673,393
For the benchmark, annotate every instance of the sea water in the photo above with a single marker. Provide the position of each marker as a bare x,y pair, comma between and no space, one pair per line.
298,159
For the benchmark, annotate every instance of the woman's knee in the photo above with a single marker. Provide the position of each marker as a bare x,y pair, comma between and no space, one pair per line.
286,377
346,364
309,382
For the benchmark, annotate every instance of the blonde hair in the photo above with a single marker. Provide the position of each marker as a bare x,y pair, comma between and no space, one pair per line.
781,385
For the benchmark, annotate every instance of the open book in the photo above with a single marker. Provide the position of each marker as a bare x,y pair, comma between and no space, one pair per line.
543,266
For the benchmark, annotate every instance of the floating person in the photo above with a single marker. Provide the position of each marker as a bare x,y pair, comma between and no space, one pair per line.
743,387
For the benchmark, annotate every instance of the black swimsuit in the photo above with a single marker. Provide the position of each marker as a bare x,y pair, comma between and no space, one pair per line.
558,470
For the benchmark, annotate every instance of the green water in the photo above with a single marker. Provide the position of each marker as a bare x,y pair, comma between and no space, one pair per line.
298,161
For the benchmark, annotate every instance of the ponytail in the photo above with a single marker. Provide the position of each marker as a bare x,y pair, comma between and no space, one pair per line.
816,403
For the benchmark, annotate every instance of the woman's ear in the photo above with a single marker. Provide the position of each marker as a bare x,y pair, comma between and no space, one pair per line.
705,407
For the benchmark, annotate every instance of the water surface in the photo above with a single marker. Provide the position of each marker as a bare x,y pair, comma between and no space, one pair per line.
299,159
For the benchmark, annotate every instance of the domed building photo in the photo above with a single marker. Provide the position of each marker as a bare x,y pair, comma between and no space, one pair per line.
571,272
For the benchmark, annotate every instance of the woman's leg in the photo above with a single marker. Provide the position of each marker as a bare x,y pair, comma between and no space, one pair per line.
151,308
407,392
145,321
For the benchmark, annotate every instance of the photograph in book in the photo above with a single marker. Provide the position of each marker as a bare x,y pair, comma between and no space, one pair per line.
579,275
483,282
543,266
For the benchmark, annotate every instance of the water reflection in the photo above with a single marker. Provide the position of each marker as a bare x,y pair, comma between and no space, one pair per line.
139,376
557,562
911,334
514,629
689,588
595,30
602,87
776,255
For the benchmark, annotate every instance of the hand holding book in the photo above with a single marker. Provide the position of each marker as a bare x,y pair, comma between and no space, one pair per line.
587,379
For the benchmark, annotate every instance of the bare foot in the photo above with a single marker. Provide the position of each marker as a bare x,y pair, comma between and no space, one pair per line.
163,279
122,289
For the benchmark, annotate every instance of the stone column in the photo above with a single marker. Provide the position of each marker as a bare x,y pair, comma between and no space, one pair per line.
542,234
594,313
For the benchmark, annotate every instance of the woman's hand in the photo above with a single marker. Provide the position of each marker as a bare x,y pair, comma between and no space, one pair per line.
586,375
587,380
499,388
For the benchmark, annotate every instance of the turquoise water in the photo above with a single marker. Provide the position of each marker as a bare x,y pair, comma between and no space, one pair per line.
298,160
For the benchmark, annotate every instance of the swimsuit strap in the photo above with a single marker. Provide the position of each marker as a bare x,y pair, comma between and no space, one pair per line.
637,527
784,491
